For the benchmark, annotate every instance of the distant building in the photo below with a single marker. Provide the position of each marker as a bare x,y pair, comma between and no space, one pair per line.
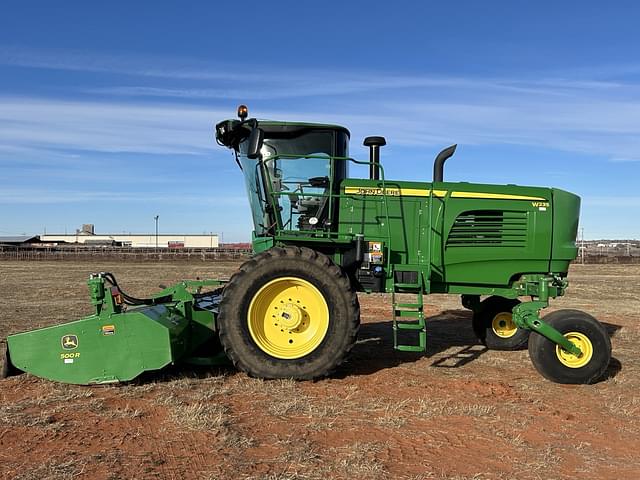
147,240
88,229
17,240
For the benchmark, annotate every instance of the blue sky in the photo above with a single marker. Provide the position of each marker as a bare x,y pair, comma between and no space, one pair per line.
107,110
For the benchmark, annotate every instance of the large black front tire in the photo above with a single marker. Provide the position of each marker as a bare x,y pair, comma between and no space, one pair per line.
559,366
252,352
493,324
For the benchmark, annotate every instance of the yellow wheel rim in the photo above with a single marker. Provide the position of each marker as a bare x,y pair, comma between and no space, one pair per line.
288,318
503,326
581,341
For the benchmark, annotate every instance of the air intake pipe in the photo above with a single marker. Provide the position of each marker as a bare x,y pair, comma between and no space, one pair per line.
438,164
374,144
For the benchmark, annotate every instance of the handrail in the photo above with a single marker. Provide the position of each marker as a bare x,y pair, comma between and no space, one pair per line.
386,211
331,195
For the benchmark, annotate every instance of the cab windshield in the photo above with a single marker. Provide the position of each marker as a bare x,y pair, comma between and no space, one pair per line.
294,176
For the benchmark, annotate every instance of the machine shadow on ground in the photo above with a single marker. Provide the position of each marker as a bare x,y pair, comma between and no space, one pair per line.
450,328
615,366
374,350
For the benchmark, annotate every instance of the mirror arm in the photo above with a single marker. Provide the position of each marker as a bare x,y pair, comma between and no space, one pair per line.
235,153
256,138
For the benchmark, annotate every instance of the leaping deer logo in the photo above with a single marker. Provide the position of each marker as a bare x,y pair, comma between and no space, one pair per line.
69,342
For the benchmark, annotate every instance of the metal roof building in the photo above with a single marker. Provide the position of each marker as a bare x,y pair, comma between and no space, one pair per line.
163,240
15,240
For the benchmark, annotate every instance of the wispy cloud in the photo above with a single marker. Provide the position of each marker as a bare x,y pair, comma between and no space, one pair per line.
57,196
278,81
133,65
109,175
606,128
45,124
598,115
158,108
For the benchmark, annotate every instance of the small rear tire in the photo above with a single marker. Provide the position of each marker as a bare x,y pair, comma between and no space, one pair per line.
556,364
493,324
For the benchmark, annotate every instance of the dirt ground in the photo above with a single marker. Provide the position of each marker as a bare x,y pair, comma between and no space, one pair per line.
458,412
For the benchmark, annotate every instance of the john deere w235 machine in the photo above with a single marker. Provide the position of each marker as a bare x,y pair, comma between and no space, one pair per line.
291,311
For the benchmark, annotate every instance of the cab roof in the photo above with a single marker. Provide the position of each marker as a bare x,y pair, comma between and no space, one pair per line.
272,126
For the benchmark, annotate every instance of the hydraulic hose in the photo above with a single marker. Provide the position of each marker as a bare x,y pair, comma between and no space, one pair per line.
130,300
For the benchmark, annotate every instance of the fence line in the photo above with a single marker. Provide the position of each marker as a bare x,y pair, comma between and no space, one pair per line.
610,259
191,254
121,253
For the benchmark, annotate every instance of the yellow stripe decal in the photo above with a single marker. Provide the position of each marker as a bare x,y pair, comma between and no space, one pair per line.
425,192
495,196
394,192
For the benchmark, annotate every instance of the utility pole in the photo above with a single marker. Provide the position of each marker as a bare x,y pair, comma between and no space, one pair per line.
582,246
156,219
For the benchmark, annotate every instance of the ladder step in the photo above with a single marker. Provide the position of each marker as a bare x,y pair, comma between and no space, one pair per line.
408,316
408,305
409,313
409,326
420,347
410,348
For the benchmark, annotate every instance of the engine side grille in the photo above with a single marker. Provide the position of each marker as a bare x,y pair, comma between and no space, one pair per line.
489,228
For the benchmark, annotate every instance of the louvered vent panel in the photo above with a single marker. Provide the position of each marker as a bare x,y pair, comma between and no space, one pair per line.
482,228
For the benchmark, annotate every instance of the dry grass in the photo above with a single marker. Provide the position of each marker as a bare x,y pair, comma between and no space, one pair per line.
12,415
201,416
429,408
46,409
124,412
202,411
54,469
624,406
298,453
394,414
196,413
358,460
383,415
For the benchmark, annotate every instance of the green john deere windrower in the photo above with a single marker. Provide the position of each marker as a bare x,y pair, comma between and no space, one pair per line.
291,311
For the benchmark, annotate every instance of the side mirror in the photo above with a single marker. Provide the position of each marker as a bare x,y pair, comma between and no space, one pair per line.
256,137
320,182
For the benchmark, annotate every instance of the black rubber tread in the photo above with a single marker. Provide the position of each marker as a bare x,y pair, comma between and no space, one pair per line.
482,318
4,359
303,263
542,351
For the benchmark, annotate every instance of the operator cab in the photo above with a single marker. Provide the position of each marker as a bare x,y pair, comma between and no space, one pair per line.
292,171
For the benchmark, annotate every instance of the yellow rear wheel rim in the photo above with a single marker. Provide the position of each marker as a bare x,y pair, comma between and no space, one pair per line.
288,318
503,326
581,341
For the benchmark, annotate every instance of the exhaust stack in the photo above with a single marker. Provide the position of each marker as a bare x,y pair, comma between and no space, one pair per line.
438,164
374,144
